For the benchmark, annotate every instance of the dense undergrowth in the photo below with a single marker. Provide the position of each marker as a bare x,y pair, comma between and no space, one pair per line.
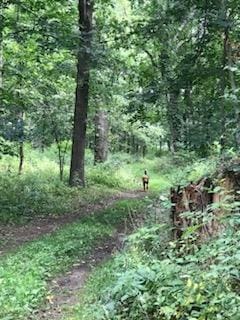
157,278
39,191
24,275
199,286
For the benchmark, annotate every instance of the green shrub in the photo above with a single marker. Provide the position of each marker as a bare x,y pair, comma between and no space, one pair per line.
167,281
198,286
38,191
103,175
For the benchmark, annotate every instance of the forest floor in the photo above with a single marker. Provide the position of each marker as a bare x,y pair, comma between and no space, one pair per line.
65,289
13,236
43,269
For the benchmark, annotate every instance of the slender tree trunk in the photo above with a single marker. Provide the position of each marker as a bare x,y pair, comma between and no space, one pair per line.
101,137
21,157
144,150
169,145
234,93
173,120
21,142
133,149
77,170
187,115
1,53
223,79
160,144
128,143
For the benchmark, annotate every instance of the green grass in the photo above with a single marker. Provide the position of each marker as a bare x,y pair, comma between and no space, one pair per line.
97,285
39,192
24,274
169,170
33,194
100,279
187,282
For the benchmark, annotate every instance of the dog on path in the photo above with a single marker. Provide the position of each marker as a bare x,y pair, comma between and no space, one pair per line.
145,181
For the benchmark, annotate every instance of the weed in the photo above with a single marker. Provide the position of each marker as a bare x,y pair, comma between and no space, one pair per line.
24,274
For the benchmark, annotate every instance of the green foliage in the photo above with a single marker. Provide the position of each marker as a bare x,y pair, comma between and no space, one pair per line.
38,191
198,286
24,274
107,175
170,281
147,238
6,148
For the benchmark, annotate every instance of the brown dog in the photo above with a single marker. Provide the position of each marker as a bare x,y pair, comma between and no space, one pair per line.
145,181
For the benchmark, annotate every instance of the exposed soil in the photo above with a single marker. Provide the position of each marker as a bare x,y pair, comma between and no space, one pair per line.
65,289
13,236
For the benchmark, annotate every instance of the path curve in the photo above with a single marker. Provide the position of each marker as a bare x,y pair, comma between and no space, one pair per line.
11,237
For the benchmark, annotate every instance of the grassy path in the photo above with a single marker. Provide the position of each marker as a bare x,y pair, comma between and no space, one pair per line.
13,236
65,288
25,275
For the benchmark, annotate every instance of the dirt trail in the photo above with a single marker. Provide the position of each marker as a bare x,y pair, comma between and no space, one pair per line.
13,236
65,289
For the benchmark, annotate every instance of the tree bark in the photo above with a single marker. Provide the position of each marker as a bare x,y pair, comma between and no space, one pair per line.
77,170
21,157
234,92
21,142
1,53
101,137
144,150
223,79
172,113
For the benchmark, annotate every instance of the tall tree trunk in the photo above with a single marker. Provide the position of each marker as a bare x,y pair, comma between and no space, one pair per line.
128,149
133,149
187,115
223,79
234,92
160,144
21,142
144,150
101,137
21,157
1,53
173,119
77,170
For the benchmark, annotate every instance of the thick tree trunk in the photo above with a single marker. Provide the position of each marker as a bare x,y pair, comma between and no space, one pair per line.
101,137
77,171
